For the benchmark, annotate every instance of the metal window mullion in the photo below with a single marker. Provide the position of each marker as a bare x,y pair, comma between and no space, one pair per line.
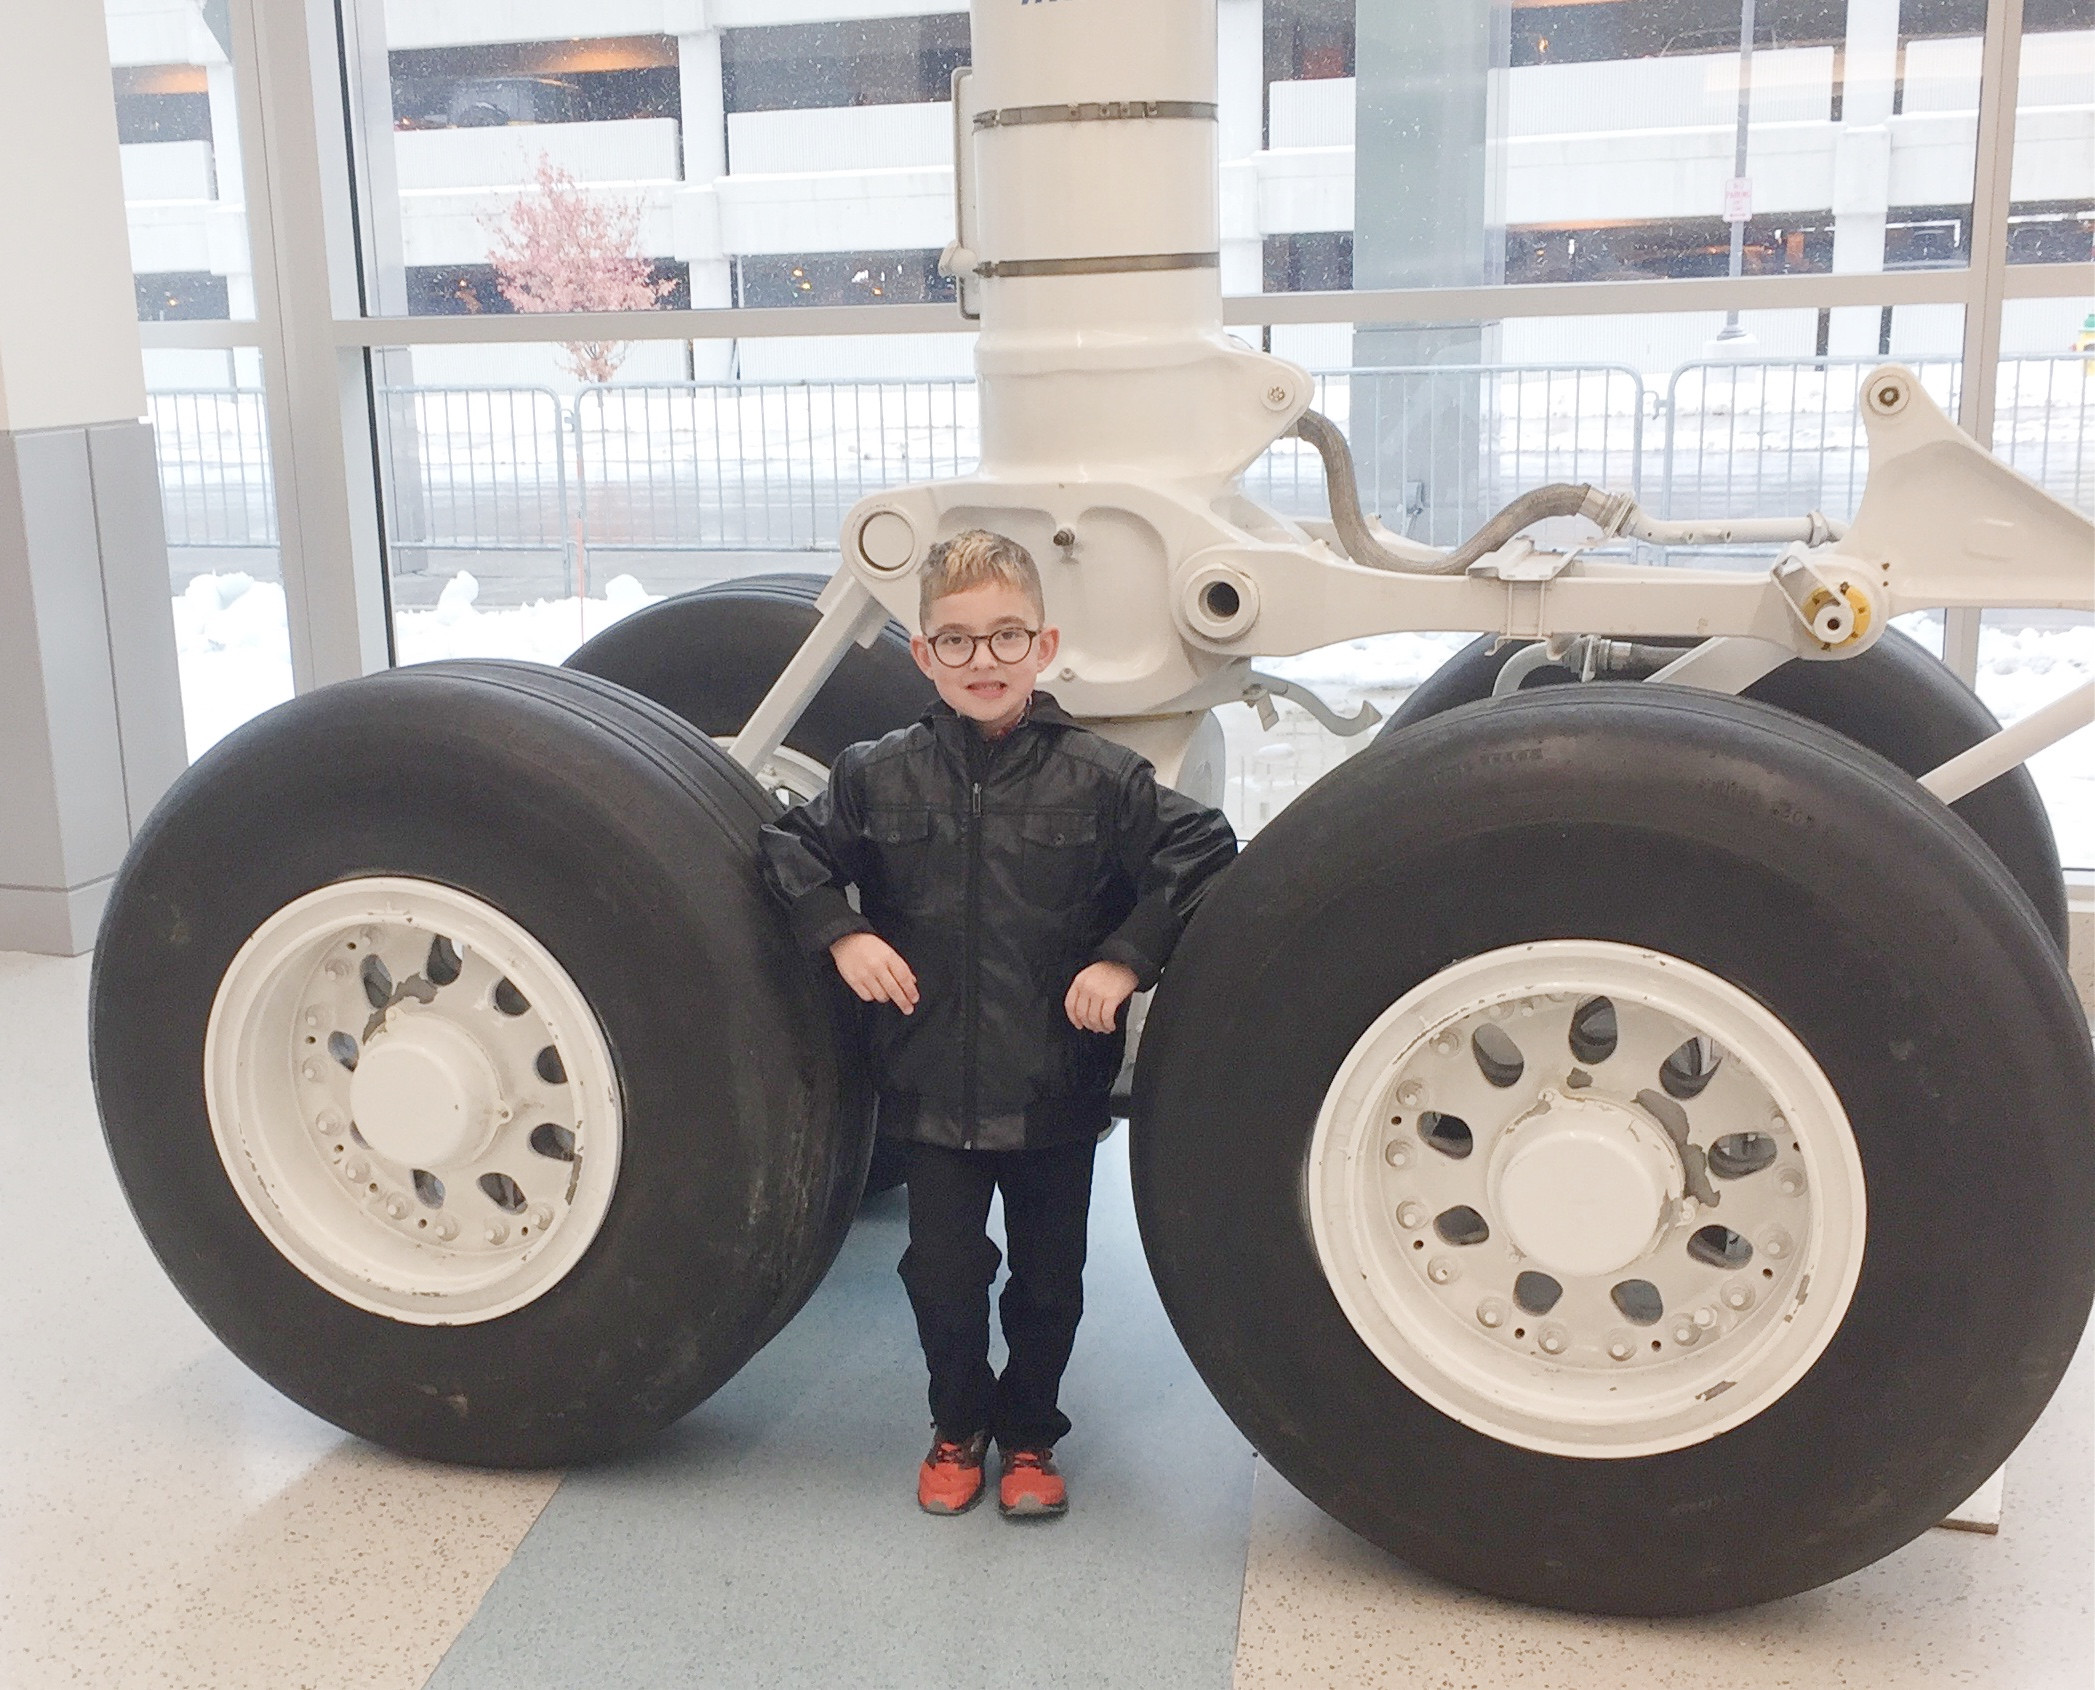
1992,185
327,538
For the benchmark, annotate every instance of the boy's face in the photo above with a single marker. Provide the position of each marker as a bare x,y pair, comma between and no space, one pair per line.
986,689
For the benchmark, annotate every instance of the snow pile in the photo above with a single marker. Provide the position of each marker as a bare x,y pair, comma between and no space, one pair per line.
544,631
235,648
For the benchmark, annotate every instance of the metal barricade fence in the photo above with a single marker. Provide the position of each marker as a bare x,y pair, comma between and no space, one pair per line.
474,470
696,467
215,486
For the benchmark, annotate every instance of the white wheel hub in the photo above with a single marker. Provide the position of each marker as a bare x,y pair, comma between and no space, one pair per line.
1583,1184
413,1100
1587,1199
425,1092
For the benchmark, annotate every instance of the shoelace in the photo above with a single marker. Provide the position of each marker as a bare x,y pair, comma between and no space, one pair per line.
949,1455
1030,1459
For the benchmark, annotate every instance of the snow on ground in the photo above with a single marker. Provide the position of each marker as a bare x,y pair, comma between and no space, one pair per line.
235,654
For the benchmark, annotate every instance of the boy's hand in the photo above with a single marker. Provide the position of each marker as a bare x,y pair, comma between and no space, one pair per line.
874,969
1096,994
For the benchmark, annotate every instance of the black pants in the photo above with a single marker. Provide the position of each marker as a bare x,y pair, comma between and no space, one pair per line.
951,1262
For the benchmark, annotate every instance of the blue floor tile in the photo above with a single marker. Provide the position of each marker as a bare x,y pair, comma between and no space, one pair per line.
772,1538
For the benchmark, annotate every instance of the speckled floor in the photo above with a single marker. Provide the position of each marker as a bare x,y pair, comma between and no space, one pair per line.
168,1520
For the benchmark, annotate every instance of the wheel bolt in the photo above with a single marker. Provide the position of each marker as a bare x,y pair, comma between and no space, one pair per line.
446,1228
396,1206
327,1122
495,1232
1776,1244
1411,1215
310,1069
1705,1317
312,1018
1443,1044
354,1168
541,1217
1411,1094
1553,1341
1621,1348
1738,1296
1500,1011
1492,1313
1397,1153
1686,1332
1440,1270
1790,1181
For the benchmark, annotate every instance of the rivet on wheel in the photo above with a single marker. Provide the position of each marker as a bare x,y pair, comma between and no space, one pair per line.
1397,1153
495,1232
1491,1312
1411,1215
354,1168
446,1228
1411,1094
396,1206
310,1069
327,1123
541,1217
1440,1270
1705,1318
1444,1044
1790,1181
1686,1332
1775,1245
1553,1341
1620,1348
1739,1297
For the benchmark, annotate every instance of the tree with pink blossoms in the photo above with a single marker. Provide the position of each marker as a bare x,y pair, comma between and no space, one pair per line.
561,248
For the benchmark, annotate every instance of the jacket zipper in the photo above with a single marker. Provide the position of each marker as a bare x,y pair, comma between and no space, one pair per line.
968,984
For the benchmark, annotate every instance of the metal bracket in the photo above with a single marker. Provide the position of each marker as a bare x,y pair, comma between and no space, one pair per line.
1263,689
1094,111
1114,264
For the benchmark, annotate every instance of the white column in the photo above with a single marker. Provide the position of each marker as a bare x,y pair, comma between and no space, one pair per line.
90,701
1240,96
1862,164
702,102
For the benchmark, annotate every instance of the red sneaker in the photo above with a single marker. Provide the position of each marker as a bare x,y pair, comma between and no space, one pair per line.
1030,1484
950,1480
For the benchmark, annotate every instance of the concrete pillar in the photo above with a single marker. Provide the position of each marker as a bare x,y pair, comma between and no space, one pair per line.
1427,212
90,698
1862,165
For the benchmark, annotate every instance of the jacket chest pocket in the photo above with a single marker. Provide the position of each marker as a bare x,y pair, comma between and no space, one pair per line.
902,844
1058,856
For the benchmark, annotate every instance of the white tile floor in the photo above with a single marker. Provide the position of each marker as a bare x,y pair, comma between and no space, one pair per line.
166,1520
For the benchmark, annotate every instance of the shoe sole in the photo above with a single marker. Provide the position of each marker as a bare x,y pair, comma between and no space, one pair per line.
938,1513
1033,1509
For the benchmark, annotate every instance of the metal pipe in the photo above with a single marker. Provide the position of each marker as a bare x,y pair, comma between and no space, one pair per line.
1995,755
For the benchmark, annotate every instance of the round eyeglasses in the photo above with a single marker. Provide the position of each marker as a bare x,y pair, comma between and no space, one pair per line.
1007,645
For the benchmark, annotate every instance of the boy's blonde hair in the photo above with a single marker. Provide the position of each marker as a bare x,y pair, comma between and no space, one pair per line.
971,558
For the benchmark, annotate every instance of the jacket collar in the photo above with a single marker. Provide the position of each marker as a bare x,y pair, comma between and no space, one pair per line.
1046,712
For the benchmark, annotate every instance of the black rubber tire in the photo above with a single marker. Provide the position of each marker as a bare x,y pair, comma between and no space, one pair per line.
1891,941
1895,698
710,655
627,844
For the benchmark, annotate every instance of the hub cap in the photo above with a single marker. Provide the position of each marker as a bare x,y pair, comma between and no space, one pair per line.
1588,1199
413,1100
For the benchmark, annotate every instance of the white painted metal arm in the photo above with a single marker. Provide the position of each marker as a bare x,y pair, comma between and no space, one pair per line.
1995,755
849,613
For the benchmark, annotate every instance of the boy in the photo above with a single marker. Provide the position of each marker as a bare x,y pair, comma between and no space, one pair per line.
1020,877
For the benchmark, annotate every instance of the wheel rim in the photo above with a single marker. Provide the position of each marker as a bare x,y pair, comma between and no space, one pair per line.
788,775
413,1100
1588,1199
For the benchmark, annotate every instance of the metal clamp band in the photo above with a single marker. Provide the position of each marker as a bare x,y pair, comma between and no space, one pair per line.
1094,111
1099,266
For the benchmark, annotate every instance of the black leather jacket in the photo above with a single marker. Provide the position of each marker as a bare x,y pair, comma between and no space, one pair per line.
998,869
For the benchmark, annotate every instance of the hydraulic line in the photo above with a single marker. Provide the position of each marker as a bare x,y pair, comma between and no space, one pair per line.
1613,513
